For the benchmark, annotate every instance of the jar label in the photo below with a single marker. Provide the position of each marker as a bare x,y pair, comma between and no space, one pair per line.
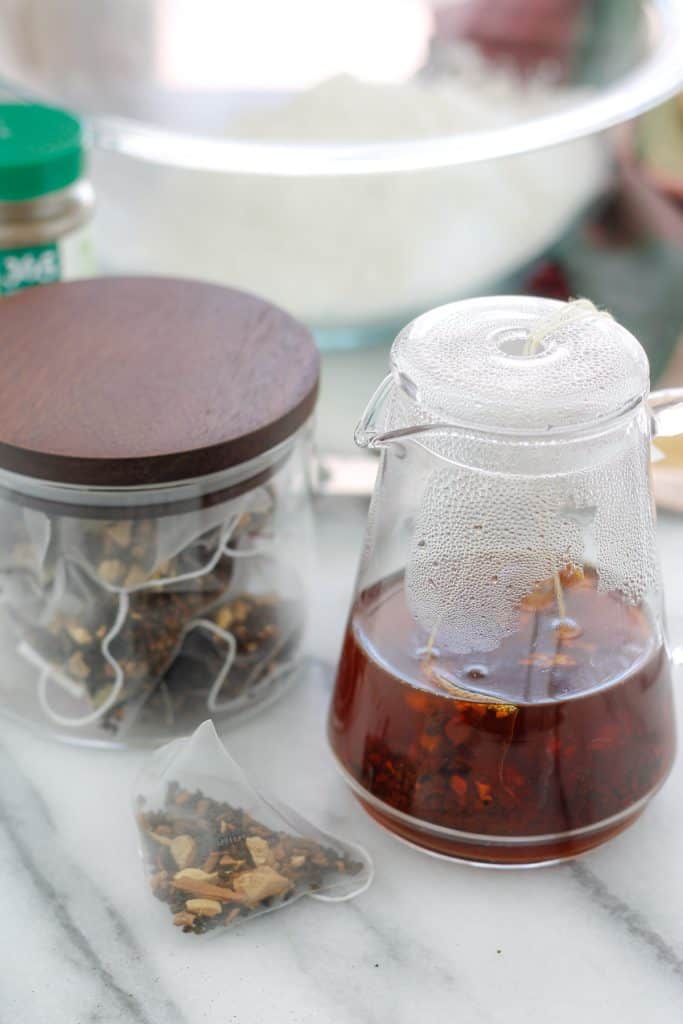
69,258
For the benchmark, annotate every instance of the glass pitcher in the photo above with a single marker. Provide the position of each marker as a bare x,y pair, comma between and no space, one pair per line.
504,692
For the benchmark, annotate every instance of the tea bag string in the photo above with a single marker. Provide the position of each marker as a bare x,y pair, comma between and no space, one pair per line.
49,674
150,584
569,313
212,702
217,685
572,312
112,588
575,310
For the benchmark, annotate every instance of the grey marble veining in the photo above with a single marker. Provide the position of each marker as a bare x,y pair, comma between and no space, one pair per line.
83,943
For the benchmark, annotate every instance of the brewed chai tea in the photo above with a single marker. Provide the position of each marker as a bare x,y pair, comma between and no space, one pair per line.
538,750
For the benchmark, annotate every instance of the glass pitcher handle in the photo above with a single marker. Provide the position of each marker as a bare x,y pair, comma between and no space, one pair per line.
666,412
666,407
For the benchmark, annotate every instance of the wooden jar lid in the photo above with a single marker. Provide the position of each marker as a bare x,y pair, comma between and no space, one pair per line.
121,382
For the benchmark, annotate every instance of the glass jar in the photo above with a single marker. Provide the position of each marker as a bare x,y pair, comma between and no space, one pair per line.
154,506
504,693
46,204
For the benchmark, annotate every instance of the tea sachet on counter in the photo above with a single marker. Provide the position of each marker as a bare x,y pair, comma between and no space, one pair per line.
218,852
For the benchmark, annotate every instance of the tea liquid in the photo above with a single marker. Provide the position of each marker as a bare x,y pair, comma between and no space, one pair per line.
536,751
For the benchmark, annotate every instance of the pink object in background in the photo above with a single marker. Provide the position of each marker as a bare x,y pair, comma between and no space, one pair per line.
530,33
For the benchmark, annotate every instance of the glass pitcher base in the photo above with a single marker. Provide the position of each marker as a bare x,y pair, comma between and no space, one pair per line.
496,851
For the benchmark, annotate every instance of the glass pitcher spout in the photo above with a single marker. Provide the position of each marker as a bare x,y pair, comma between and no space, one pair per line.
371,434
368,433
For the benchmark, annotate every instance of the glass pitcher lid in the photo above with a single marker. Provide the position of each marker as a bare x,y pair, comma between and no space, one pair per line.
519,364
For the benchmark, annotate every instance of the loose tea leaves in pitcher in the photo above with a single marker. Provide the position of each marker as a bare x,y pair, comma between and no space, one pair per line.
217,852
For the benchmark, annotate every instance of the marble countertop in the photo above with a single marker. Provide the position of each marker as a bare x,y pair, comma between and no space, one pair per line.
600,939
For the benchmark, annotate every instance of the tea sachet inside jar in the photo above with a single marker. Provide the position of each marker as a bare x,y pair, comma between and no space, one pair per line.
218,852
156,616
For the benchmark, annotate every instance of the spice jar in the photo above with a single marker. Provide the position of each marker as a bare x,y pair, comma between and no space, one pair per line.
45,202
154,505
504,692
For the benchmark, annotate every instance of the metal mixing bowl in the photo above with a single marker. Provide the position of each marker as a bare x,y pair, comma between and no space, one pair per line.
176,93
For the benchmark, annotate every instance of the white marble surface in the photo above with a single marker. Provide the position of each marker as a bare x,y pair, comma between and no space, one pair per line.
84,943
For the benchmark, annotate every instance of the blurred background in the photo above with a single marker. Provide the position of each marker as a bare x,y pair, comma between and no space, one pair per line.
359,161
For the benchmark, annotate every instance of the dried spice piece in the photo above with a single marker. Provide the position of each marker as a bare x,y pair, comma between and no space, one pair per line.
253,868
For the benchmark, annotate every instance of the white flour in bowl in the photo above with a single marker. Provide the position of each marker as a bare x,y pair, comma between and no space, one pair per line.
367,249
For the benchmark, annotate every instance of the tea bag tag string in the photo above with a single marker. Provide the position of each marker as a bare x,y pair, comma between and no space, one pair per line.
152,584
572,312
212,701
48,674
217,685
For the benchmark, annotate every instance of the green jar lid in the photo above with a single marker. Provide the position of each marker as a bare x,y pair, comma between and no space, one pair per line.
41,150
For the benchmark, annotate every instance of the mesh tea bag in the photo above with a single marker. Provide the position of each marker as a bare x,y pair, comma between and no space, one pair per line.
218,852
25,536
223,668
127,554
476,554
101,609
99,651
242,646
497,392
